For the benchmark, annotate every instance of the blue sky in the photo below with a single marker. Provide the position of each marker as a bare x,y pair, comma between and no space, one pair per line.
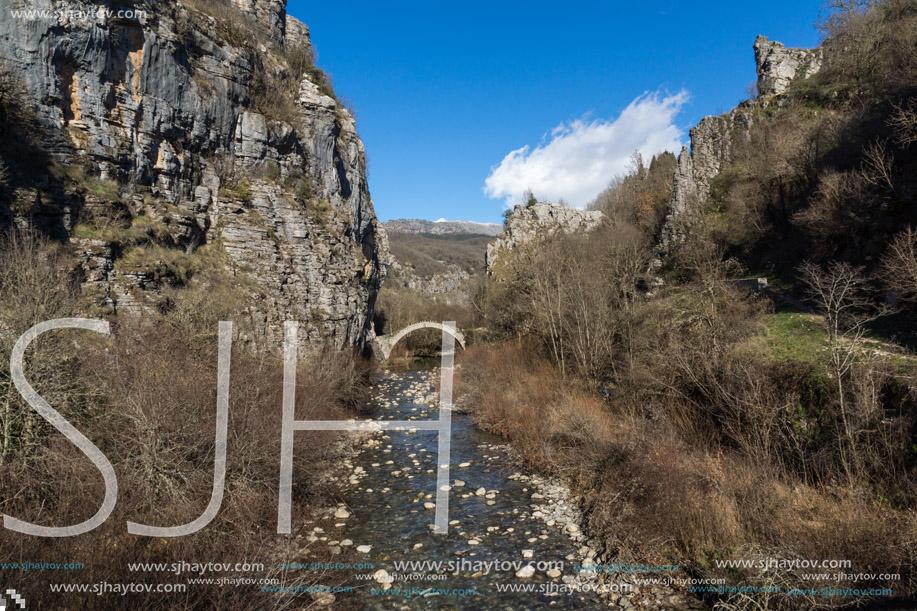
445,92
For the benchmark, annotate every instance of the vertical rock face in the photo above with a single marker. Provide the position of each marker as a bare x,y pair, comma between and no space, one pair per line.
182,111
777,65
272,13
713,137
527,224
710,144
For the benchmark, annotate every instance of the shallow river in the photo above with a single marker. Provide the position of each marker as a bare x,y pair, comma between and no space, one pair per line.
493,518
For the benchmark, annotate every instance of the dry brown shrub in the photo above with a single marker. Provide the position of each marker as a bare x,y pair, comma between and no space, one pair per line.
521,396
147,398
658,492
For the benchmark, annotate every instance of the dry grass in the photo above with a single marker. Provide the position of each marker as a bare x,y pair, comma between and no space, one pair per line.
155,421
147,398
522,397
656,493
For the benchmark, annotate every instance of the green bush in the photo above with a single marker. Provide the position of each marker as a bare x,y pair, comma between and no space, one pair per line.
320,78
304,189
241,189
320,210
81,178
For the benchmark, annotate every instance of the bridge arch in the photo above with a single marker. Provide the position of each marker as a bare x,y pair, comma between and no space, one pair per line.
385,343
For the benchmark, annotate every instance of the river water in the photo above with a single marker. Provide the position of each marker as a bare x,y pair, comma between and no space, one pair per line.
493,519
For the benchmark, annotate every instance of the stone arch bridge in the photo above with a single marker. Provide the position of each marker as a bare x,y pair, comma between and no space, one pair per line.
383,344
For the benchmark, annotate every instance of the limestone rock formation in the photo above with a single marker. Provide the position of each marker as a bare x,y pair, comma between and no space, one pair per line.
527,224
711,141
713,138
777,65
448,283
185,123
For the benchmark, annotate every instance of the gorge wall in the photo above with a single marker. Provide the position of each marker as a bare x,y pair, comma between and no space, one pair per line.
173,129
714,137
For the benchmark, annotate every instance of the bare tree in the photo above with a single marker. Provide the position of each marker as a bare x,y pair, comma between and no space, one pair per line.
580,293
852,31
878,166
34,286
904,123
899,265
840,294
548,300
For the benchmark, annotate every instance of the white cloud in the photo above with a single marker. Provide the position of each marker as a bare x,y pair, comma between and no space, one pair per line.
580,158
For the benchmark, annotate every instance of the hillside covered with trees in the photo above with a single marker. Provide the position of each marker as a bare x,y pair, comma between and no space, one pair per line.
703,421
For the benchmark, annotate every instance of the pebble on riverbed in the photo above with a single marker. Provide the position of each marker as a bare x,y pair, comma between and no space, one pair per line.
525,572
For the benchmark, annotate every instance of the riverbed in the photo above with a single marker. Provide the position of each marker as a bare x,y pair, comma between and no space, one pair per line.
514,540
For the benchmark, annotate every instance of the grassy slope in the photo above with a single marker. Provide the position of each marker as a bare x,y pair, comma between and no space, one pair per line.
429,254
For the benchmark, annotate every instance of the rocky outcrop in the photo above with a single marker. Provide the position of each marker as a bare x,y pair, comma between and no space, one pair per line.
711,142
449,284
188,122
714,138
527,224
777,65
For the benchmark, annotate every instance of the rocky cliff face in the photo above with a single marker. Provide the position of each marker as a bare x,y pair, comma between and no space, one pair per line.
713,137
174,126
711,140
777,65
527,224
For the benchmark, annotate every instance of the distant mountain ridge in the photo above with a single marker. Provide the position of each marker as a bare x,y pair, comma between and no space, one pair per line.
437,257
442,227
